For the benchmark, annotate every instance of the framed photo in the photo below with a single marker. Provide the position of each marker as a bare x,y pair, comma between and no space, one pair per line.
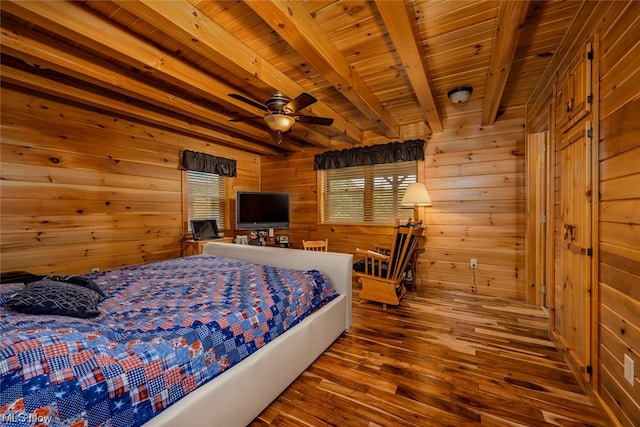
258,238
282,238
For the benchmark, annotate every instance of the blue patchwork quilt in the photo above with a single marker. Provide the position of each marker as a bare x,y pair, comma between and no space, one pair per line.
164,329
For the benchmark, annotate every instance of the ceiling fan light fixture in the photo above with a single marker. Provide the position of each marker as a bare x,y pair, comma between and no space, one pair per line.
460,94
279,122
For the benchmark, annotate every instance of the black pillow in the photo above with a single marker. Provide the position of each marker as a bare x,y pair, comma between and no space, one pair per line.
75,280
17,277
53,297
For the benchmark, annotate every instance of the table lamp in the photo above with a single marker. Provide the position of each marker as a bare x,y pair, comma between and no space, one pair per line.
416,195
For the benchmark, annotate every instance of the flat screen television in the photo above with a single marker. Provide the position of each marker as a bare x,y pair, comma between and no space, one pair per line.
204,229
261,210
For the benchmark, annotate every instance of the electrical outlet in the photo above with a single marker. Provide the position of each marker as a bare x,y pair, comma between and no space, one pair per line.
474,263
95,270
629,371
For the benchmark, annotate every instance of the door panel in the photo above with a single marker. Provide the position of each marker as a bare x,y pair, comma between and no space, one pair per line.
575,203
574,91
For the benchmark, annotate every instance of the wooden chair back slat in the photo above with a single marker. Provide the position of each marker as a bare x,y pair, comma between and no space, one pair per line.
316,245
404,243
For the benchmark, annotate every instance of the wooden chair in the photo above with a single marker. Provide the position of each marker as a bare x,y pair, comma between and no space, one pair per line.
382,275
315,245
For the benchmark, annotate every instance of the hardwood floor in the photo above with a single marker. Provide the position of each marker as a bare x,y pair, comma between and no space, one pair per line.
439,359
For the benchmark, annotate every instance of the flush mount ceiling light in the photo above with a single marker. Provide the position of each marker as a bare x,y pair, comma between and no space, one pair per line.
460,94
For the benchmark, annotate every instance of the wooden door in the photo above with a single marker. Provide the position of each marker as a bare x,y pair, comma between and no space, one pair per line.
575,253
536,243
541,227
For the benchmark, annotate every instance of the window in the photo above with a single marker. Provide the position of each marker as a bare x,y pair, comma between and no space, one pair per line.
366,194
206,197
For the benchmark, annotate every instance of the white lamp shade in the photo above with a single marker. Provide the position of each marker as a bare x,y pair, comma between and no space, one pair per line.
416,195
279,122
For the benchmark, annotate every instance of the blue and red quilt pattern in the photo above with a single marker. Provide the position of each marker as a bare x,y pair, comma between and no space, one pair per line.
165,329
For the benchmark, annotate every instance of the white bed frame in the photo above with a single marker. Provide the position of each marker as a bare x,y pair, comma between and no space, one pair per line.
239,395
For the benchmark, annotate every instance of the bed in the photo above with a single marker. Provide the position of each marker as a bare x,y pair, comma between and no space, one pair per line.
164,371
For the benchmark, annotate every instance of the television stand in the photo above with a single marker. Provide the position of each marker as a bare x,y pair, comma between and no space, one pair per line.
278,245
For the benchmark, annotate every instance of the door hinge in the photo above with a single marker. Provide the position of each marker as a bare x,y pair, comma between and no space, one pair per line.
590,99
543,289
590,54
589,133
589,370
590,252
543,219
543,148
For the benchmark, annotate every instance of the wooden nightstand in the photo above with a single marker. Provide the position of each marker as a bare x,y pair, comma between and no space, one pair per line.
194,247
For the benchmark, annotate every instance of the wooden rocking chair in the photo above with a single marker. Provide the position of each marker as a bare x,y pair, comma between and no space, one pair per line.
382,275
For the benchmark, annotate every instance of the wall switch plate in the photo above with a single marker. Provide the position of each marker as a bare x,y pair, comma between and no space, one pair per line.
629,371
474,263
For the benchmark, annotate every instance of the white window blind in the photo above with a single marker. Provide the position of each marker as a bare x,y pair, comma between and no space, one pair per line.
366,194
206,197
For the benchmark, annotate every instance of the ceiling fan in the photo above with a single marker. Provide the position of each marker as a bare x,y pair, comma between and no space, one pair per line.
282,111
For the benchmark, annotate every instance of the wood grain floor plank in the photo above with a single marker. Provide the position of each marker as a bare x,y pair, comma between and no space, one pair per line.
440,358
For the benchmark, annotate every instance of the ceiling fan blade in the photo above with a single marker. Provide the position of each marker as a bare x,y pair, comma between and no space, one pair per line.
248,101
243,119
324,121
301,101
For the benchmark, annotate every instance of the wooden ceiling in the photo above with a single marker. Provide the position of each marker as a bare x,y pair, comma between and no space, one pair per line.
380,69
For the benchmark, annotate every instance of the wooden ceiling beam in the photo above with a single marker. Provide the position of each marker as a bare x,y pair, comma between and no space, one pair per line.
185,23
402,31
122,108
511,17
295,25
31,47
74,21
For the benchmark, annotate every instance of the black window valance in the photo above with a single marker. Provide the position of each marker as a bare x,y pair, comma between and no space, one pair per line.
392,152
202,162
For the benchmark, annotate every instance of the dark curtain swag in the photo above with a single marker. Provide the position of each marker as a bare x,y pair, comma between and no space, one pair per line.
371,155
202,162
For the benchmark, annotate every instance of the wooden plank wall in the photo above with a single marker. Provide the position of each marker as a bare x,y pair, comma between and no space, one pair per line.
619,210
618,239
475,177
83,189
